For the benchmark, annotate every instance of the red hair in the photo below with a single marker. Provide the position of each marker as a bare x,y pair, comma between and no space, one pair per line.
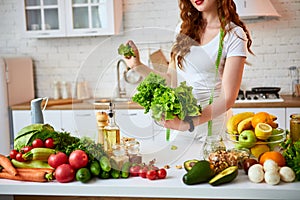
193,26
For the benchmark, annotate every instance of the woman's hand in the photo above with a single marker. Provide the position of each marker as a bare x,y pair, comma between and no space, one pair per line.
176,124
133,61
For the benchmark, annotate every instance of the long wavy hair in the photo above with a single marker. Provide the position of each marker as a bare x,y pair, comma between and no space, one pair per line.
193,26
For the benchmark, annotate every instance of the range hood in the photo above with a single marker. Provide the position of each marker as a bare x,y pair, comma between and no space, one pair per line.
253,9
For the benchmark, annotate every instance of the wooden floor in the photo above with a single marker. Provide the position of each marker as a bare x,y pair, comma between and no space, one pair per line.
85,198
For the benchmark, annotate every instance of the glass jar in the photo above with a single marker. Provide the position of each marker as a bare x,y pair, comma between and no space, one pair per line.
295,127
119,155
133,151
212,144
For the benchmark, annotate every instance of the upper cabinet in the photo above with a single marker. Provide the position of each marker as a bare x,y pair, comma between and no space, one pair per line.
70,18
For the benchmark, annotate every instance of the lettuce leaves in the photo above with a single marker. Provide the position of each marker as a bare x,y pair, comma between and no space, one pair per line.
163,101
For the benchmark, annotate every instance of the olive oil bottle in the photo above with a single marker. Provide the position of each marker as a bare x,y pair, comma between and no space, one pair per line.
111,132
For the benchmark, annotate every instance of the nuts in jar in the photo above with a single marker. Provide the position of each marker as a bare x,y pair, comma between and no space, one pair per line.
222,159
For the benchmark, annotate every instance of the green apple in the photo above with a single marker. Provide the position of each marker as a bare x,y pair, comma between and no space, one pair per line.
247,139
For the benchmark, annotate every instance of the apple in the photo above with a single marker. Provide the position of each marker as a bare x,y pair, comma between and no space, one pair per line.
248,162
57,159
247,139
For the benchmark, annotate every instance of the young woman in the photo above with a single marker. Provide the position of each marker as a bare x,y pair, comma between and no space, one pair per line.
209,29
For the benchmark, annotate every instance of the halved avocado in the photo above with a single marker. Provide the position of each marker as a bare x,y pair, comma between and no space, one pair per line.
202,172
225,176
189,164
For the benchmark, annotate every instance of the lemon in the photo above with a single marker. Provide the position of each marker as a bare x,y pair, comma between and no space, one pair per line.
259,149
263,131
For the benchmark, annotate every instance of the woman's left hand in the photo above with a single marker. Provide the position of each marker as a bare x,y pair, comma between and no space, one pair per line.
176,124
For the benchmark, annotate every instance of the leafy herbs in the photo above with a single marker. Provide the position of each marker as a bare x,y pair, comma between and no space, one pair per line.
291,154
154,94
126,50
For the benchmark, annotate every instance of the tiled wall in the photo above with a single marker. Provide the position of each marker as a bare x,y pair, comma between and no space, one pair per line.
275,42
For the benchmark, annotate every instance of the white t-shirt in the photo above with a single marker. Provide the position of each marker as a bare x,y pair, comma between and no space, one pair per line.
199,70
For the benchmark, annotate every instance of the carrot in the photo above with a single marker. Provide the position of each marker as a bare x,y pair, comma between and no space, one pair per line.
33,170
39,176
6,164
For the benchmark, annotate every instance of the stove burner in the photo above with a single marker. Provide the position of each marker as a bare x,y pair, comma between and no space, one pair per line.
259,95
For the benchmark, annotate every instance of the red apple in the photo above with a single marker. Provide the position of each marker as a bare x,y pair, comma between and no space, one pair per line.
248,163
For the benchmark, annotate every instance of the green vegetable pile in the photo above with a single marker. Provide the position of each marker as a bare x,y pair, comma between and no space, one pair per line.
154,94
291,153
126,50
64,142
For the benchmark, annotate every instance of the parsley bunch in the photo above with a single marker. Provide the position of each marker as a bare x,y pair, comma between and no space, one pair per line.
291,154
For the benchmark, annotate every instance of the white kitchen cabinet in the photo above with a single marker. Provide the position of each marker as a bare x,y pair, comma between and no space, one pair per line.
279,112
80,122
22,118
67,18
289,112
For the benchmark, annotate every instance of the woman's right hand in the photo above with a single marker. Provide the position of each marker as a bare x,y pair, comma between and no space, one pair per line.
133,61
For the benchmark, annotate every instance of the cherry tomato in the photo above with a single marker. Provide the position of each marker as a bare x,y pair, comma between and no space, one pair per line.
143,172
151,174
19,157
26,149
49,143
13,154
37,143
161,173
134,170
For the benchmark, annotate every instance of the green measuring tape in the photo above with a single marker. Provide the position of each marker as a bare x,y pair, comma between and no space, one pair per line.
218,60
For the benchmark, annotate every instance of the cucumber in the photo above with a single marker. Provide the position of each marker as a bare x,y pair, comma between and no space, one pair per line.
189,164
105,163
201,172
95,168
225,176
125,169
115,171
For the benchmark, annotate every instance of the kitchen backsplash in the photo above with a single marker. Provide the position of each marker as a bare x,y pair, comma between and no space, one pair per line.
151,24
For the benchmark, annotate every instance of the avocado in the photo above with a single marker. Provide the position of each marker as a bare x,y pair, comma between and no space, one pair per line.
201,172
225,176
189,164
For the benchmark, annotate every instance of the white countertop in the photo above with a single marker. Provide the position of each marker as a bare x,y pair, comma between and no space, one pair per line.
171,187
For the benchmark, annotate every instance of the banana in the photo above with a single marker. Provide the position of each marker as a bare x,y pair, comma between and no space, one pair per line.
245,124
233,122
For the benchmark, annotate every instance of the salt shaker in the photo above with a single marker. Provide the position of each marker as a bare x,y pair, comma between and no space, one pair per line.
56,91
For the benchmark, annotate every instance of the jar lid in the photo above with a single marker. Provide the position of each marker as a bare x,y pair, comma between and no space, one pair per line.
295,116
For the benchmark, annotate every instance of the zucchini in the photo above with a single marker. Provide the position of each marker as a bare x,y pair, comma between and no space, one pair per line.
30,164
38,154
225,176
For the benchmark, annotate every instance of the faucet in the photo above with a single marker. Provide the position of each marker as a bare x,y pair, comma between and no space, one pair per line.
121,92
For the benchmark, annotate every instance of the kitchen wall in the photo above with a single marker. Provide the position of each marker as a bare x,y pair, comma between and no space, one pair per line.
276,44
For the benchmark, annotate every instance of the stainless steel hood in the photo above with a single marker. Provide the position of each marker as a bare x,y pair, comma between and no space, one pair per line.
253,9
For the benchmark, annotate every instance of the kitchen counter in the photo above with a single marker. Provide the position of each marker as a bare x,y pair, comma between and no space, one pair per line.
289,101
171,187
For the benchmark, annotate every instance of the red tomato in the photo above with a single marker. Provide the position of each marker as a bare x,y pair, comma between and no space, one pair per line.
19,157
161,173
37,143
143,172
13,154
64,173
134,170
151,174
57,159
78,159
49,143
26,149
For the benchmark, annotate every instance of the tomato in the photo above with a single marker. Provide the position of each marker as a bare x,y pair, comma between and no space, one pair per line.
37,143
13,154
134,170
19,157
143,172
57,159
26,149
64,173
151,174
161,173
78,159
49,143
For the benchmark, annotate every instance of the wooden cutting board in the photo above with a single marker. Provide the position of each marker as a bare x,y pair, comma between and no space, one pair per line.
55,102
159,61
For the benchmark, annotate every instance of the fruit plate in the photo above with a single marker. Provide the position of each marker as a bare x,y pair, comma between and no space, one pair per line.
278,136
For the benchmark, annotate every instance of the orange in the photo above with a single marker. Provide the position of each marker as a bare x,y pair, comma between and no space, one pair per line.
273,155
261,117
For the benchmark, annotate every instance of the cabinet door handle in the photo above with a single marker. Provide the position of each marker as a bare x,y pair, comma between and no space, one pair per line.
83,115
131,114
91,32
